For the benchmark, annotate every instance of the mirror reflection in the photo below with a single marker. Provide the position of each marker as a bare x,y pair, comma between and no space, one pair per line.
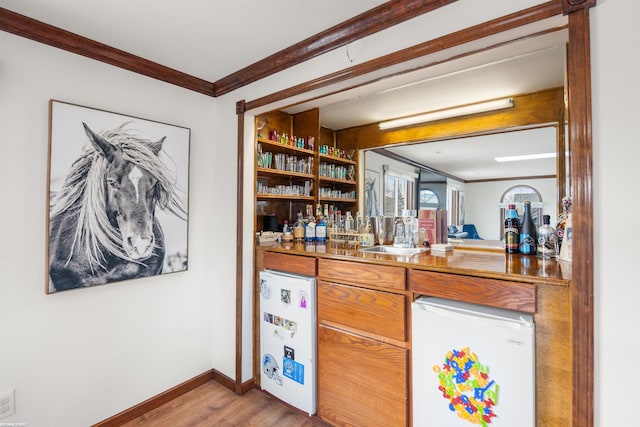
458,164
468,177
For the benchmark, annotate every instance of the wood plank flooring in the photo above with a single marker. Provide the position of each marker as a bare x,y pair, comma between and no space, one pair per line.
212,404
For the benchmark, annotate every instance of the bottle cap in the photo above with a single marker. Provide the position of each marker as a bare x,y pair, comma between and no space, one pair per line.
546,219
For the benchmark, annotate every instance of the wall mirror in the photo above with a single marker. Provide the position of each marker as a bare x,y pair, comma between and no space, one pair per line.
458,167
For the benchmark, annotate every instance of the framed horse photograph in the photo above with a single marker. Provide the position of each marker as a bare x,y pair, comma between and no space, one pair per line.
117,197
372,193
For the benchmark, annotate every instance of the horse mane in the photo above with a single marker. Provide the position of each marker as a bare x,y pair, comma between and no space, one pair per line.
83,194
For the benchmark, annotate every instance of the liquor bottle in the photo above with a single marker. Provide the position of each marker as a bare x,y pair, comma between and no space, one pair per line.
512,230
321,230
298,228
348,222
330,219
528,235
310,226
547,239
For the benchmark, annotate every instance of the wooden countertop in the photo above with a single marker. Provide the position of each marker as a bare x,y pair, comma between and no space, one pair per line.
463,261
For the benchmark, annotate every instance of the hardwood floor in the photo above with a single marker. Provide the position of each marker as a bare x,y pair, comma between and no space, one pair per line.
212,404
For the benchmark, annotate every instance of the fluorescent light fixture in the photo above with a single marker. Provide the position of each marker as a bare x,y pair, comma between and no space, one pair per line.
464,110
525,157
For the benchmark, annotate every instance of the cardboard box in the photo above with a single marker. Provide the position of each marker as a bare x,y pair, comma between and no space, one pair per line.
432,226
428,225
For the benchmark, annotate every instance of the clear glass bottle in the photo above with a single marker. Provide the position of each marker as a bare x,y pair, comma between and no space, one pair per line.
358,224
330,219
310,226
547,239
298,228
348,222
512,230
528,235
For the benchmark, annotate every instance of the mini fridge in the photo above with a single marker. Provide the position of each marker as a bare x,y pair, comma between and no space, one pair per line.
472,365
288,338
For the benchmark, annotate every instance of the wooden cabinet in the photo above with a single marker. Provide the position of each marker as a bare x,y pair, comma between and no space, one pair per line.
477,290
366,275
290,263
365,310
361,381
364,327
363,356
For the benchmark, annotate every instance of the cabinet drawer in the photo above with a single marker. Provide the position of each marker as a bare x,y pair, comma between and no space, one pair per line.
361,382
478,290
290,263
365,274
376,312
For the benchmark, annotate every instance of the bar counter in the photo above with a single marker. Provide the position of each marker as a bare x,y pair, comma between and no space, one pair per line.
474,261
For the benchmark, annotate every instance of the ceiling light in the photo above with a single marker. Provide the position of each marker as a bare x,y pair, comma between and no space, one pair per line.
525,157
464,110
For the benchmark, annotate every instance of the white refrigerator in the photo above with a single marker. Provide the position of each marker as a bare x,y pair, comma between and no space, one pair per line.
288,338
472,365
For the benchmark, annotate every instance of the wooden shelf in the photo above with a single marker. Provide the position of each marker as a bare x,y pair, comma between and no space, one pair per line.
337,199
276,146
336,180
335,159
294,197
278,172
268,179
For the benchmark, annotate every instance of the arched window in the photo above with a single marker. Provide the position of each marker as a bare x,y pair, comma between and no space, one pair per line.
428,199
517,195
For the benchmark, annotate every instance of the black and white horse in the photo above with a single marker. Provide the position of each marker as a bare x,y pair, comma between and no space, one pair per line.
102,224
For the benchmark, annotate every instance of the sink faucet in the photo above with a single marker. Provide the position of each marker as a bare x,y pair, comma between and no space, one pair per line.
404,232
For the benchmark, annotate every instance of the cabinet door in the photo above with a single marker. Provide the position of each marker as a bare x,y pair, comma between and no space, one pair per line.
361,382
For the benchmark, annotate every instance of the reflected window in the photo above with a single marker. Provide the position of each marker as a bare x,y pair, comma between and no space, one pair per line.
399,194
518,195
428,199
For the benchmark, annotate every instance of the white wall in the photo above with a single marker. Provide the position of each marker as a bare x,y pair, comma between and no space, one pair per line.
482,203
78,357
615,71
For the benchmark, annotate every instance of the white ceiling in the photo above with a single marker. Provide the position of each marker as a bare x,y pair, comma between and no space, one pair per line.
473,158
209,39
214,38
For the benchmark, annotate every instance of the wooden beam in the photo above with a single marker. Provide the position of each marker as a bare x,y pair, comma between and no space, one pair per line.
569,6
580,143
379,18
239,244
24,26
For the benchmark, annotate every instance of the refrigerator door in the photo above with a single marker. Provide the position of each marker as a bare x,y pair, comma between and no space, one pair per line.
288,338
472,365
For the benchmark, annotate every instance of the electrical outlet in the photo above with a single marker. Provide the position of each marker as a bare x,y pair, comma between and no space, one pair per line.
7,403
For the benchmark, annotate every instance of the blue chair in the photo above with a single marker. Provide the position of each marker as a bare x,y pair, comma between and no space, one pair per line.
472,233
455,233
